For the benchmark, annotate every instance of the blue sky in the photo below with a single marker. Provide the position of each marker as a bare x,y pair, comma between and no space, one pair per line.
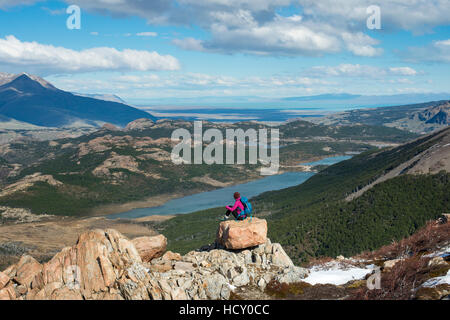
161,49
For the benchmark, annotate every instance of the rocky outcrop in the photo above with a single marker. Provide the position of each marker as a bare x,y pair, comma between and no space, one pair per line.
28,182
20,215
102,265
139,124
242,234
214,273
150,247
106,265
110,127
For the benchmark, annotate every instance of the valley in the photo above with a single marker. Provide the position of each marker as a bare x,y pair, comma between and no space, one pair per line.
114,166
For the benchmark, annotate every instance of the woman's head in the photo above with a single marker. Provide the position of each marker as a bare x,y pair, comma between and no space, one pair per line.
236,195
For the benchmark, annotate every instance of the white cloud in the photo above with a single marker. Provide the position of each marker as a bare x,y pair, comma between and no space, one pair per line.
360,71
13,3
147,34
282,36
437,52
190,44
419,16
250,26
46,59
405,71
361,44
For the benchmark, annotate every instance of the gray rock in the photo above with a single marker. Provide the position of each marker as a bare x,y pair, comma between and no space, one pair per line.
279,256
232,273
179,294
247,255
225,292
242,279
184,266
261,284
214,284
292,274
256,258
166,289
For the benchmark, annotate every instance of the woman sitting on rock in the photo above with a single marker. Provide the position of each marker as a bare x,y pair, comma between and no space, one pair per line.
237,210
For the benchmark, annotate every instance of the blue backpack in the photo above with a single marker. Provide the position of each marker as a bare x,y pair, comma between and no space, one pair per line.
247,208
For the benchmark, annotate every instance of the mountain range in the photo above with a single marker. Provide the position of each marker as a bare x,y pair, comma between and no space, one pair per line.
419,118
35,101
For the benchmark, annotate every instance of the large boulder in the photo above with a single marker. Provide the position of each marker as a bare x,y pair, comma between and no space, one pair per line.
26,270
150,247
242,234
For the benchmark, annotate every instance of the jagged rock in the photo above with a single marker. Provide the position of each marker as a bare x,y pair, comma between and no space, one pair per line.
11,271
391,263
183,266
8,293
279,257
169,255
102,265
242,234
214,286
150,247
67,294
4,279
27,269
242,278
437,261
161,267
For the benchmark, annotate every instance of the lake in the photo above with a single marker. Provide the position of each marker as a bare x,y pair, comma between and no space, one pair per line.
224,196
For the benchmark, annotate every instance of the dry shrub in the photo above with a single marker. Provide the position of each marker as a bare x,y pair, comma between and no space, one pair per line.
284,290
398,283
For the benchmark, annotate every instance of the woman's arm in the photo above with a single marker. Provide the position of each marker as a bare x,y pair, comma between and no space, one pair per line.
236,203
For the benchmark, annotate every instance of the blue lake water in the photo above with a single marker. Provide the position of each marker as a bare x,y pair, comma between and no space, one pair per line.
224,196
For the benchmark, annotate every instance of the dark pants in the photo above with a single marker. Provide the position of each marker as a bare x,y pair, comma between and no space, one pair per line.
235,214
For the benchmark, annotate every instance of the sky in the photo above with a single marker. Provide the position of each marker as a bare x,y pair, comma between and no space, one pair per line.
162,49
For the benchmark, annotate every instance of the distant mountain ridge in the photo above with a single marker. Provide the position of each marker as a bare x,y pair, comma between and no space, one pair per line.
437,115
418,118
33,100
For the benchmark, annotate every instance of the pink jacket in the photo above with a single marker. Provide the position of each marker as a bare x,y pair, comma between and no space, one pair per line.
238,204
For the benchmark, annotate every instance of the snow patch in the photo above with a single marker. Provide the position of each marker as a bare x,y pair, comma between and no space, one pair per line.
336,274
431,283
